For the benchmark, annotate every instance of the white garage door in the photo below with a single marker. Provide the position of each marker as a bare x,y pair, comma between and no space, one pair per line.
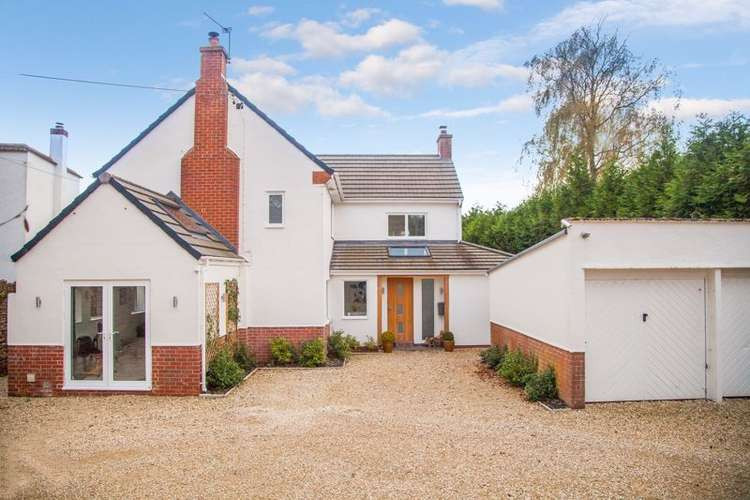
735,342
645,339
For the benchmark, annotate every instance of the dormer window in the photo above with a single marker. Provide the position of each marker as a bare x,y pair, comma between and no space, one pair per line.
406,225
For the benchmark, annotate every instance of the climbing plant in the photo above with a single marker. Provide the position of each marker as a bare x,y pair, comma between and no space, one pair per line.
233,309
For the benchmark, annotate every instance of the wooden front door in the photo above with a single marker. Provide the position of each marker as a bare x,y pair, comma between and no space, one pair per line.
400,310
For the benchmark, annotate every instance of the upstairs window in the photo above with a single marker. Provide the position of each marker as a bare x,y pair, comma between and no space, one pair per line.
275,209
406,225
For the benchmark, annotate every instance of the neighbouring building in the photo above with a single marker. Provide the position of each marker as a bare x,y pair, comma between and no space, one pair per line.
120,291
632,309
34,187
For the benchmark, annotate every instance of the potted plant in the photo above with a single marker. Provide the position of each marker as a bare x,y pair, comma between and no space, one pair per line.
387,338
448,342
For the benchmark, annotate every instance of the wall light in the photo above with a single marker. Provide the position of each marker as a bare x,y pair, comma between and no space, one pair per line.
585,235
174,301
38,302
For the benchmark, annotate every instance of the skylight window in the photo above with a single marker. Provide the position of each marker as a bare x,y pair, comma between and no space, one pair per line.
408,252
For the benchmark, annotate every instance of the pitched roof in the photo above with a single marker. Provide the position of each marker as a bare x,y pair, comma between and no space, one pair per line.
168,212
444,256
23,148
367,177
187,96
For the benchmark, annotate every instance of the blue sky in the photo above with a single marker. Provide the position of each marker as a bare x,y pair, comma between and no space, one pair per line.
352,77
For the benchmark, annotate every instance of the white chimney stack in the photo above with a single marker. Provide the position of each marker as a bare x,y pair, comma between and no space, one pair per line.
58,151
58,145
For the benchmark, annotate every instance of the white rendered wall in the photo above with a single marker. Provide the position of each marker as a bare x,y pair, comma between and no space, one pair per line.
531,294
469,309
369,221
105,238
12,201
286,279
155,162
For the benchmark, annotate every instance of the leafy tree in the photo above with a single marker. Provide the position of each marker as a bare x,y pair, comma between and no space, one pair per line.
594,94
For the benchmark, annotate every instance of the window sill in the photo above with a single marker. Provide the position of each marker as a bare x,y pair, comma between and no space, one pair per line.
354,317
68,386
274,226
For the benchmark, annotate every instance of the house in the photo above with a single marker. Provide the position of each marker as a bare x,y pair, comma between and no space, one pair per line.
121,290
632,309
34,187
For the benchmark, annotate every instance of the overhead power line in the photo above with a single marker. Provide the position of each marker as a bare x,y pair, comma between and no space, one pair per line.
95,82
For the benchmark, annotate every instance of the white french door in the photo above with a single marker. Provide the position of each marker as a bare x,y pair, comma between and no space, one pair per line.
107,340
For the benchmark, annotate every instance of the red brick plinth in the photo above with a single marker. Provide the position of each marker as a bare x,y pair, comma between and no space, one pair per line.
569,366
176,371
258,338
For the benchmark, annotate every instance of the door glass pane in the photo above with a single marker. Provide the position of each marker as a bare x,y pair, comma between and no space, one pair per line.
396,225
129,333
428,308
400,327
86,332
416,225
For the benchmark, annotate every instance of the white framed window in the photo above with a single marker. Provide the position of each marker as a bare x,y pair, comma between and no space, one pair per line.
275,207
355,299
407,225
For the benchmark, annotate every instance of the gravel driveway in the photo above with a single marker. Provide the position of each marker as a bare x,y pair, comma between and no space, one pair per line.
411,424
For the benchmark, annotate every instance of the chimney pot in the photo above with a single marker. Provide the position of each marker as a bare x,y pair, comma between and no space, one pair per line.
213,38
445,143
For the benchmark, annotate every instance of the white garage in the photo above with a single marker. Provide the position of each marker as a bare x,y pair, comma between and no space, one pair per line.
629,310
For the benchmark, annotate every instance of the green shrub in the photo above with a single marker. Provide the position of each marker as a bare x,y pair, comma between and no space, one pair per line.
223,371
387,337
516,367
282,351
338,345
493,356
352,341
370,344
313,353
541,385
447,336
243,357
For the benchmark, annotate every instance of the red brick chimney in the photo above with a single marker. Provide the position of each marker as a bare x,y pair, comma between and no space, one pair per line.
210,178
445,143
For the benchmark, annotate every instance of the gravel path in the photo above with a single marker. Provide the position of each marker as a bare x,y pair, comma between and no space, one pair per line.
411,424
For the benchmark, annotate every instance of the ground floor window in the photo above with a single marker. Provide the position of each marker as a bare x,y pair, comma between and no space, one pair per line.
108,342
355,298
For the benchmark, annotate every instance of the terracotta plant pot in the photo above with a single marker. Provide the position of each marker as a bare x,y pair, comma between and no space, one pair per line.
387,346
448,345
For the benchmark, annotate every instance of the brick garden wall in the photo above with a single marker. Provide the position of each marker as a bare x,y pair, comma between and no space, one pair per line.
176,371
569,366
258,338
5,289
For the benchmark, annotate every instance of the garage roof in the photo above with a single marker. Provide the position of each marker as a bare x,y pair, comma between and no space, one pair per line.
443,256
393,177
168,212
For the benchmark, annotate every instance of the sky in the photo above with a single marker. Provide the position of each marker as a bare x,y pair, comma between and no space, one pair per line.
353,77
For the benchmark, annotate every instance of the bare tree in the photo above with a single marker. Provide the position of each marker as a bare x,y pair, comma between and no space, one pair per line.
593,93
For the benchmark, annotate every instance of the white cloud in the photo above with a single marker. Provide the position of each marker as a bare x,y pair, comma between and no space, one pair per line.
482,4
412,66
358,16
687,13
327,39
262,64
690,108
265,81
519,103
260,10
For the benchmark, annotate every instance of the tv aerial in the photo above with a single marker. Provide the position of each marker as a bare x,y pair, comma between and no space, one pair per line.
224,29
